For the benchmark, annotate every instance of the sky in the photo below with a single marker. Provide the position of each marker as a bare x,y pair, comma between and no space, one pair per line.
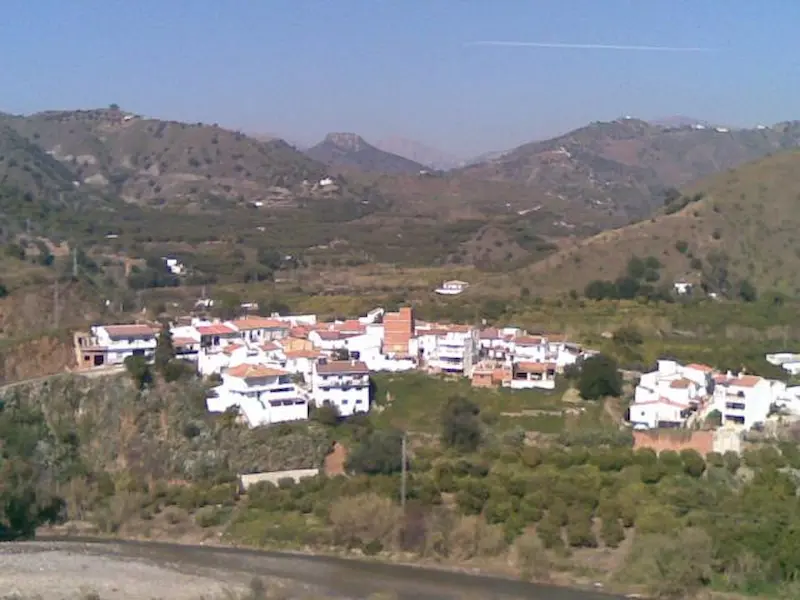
302,68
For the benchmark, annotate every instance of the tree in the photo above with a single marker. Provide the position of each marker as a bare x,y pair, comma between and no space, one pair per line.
139,371
635,268
747,291
599,377
327,414
165,350
380,453
461,428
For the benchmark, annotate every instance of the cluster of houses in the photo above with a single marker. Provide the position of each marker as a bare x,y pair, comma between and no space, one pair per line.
273,368
676,395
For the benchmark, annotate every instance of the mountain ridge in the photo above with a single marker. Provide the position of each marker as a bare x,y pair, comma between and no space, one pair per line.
350,150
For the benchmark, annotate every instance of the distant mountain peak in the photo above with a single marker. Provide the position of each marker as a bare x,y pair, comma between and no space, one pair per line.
351,150
350,142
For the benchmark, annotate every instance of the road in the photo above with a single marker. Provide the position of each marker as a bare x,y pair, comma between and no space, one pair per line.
338,577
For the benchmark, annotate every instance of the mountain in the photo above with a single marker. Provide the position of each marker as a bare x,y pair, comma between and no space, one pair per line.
622,169
735,226
348,150
152,161
418,152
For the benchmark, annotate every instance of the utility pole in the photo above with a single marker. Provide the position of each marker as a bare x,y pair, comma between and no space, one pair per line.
403,475
55,305
74,263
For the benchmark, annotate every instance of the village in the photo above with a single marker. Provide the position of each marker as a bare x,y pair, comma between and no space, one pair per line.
274,369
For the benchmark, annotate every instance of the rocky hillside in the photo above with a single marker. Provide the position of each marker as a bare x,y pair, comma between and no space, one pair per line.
623,168
146,160
736,226
348,150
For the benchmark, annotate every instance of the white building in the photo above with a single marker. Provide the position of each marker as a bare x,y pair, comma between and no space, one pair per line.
530,375
453,350
343,384
675,383
112,344
258,329
452,287
660,412
682,288
263,394
788,361
174,266
746,399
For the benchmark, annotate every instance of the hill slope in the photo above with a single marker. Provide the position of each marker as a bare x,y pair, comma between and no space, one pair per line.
149,160
623,168
348,150
738,225
418,152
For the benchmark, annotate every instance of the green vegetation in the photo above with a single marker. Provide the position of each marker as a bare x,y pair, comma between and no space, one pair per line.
479,492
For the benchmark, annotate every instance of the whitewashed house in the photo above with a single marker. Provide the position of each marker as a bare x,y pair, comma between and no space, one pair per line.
186,341
214,339
112,344
657,413
746,399
530,348
788,361
301,362
673,382
533,375
452,287
258,329
343,384
453,350
174,266
264,395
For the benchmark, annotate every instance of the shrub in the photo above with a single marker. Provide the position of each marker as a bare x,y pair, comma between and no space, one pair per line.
139,371
682,246
380,453
472,537
461,428
599,377
612,532
532,560
365,518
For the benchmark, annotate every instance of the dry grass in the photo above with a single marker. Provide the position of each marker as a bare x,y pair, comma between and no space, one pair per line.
750,214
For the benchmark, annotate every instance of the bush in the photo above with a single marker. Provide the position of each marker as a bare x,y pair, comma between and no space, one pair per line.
461,428
380,453
532,560
612,532
599,377
139,371
364,519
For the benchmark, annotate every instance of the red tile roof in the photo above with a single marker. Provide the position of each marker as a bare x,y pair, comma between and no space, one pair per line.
342,366
215,329
700,367
183,341
745,381
329,336
231,348
529,340
666,401
251,323
129,331
270,346
245,371
680,384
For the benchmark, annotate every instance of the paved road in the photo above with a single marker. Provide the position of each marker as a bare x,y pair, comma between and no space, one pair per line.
339,577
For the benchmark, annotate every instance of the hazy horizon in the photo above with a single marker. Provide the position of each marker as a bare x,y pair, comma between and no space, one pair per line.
462,78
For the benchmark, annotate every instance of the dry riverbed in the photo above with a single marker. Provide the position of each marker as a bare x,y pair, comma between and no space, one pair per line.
59,571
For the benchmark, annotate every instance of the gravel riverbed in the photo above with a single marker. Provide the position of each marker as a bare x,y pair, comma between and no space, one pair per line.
54,571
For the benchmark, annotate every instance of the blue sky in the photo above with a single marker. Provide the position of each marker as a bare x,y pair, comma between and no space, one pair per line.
302,68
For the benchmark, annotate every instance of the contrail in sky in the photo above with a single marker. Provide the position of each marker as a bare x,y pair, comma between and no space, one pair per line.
591,46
